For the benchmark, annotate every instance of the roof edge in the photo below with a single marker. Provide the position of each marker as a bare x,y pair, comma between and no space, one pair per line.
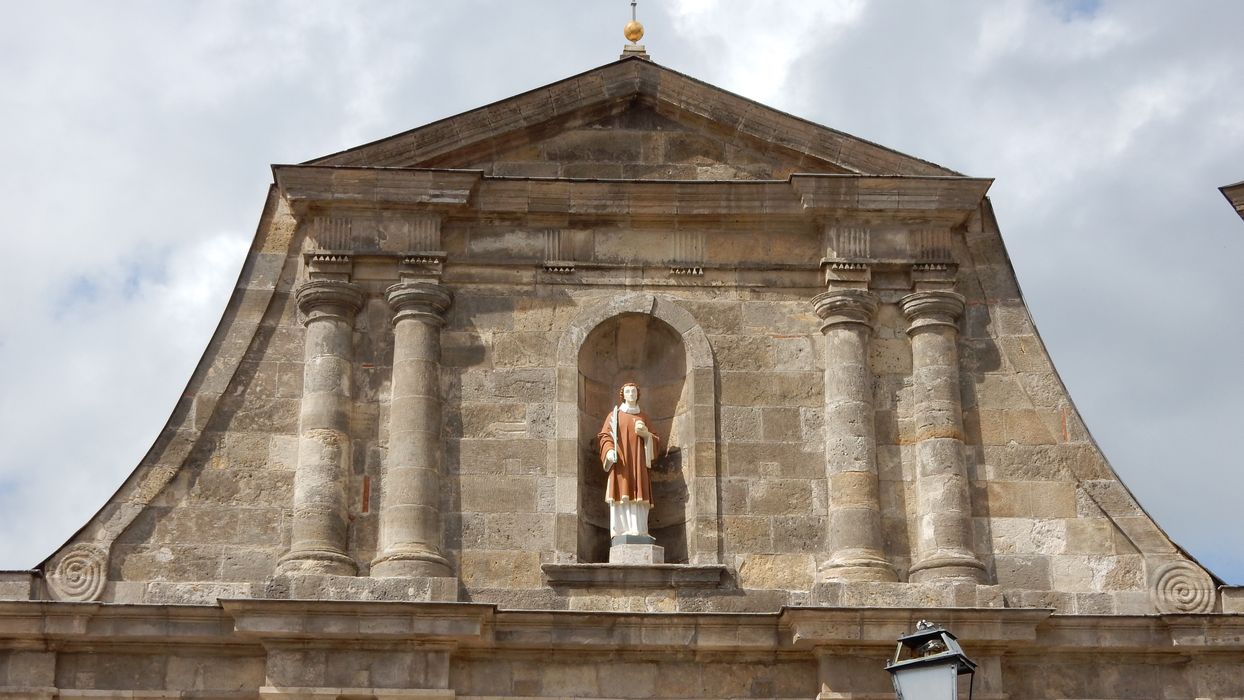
579,92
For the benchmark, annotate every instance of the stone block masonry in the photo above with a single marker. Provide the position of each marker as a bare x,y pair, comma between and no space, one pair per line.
402,400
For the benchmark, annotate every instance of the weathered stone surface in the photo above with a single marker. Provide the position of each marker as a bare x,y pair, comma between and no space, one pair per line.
787,572
499,569
642,554
16,585
928,437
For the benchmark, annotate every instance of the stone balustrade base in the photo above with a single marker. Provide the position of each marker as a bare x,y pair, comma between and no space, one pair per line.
931,594
324,587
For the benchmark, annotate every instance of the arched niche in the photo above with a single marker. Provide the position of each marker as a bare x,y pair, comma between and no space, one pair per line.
640,348
657,344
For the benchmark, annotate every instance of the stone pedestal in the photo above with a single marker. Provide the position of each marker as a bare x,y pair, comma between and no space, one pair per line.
320,508
854,522
944,530
636,554
410,487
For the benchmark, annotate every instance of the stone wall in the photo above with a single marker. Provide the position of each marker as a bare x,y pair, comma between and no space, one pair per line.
1050,523
400,401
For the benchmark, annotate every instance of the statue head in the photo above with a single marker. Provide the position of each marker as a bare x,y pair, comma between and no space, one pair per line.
629,393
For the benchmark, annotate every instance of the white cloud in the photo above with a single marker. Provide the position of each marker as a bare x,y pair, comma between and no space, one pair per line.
755,45
95,383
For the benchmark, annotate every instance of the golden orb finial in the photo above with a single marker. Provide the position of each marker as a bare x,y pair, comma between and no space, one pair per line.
634,31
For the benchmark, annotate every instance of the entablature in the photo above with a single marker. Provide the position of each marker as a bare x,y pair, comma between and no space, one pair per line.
239,623
686,233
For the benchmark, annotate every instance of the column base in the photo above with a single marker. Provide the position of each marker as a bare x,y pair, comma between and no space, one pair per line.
947,565
859,565
317,561
407,564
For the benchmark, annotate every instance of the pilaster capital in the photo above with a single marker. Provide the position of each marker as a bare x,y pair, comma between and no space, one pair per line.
843,306
329,298
420,301
932,308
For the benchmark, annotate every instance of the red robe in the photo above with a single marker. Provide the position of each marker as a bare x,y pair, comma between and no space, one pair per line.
629,479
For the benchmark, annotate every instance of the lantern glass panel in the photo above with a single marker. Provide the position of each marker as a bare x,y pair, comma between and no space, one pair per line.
933,682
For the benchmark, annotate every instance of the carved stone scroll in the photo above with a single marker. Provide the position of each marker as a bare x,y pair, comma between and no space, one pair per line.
1182,587
80,573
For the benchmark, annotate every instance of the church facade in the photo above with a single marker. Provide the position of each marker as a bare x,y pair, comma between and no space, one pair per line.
385,477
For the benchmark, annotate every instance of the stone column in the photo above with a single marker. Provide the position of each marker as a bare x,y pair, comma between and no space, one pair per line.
944,531
856,552
410,487
320,510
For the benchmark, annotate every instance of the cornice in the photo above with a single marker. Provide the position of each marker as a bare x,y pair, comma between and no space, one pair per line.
1235,195
941,200
329,622
345,624
305,186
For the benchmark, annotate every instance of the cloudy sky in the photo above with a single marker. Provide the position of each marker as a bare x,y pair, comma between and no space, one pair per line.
135,139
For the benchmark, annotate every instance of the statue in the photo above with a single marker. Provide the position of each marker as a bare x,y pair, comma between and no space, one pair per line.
627,450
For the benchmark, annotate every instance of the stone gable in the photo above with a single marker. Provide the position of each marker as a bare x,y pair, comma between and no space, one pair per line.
402,400
383,478
640,143
631,95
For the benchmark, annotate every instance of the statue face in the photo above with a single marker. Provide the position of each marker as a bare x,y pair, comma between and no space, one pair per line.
630,394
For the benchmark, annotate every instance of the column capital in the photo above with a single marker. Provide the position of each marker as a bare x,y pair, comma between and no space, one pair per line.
420,301
841,306
932,309
319,298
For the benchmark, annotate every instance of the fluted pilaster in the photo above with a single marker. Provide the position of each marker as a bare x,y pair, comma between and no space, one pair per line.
944,531
319,538
410,487
856,551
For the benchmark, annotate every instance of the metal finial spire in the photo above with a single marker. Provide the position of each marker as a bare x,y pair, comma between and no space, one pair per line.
634,31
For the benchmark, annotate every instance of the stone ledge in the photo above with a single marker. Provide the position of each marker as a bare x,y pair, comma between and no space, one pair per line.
361,588
334,693
29,693
166,694
17,585
444,624
1232,599
634,575
903,594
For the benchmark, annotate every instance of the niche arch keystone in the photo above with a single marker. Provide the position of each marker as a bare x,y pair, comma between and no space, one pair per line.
684,398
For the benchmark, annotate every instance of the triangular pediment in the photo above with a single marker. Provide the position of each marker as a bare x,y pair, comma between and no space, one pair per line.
633,119
640,143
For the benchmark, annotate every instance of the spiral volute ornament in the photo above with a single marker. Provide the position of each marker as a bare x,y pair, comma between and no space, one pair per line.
1183,587
80,573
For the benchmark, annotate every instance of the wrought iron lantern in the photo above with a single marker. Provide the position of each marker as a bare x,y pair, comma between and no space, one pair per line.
927,665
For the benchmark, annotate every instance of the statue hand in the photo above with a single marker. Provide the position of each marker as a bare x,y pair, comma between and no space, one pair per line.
611,457
641,429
